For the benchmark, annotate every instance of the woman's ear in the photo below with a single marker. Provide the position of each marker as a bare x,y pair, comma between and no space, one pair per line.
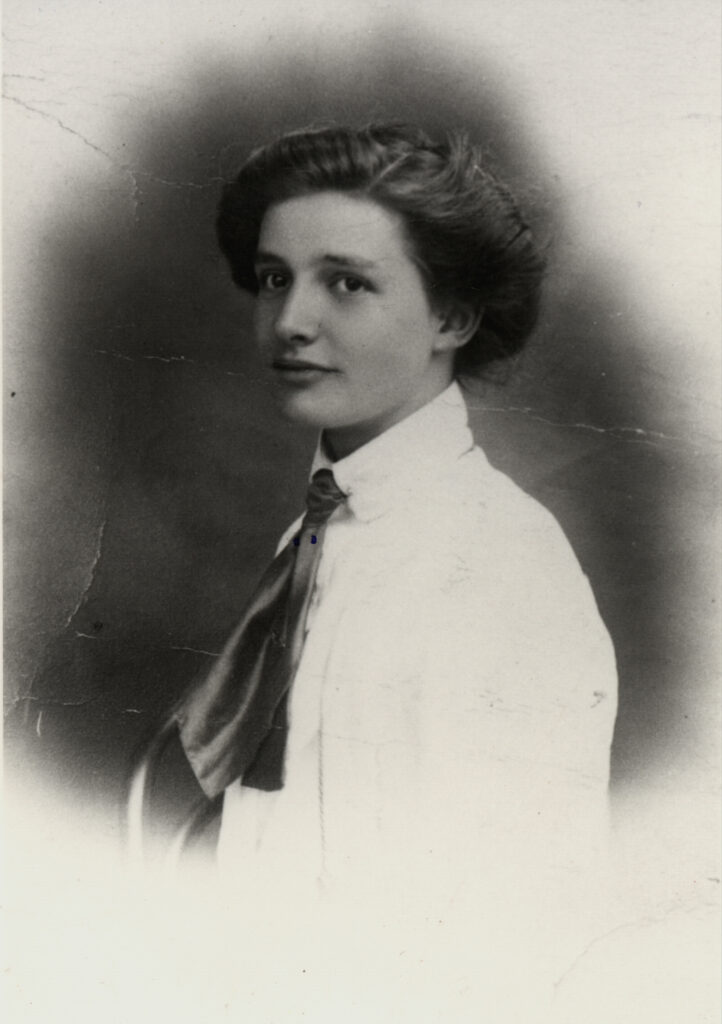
458,322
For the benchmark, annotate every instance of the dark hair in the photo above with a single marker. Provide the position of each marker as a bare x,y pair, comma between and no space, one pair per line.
467,234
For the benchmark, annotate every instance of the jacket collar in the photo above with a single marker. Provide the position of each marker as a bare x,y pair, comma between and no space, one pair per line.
377,475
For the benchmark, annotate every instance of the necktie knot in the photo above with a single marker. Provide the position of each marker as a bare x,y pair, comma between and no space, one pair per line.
323,497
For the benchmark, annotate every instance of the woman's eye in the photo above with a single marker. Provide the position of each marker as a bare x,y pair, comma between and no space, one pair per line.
349,285
271,280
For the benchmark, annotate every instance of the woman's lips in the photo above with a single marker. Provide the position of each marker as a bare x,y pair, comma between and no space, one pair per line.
299,371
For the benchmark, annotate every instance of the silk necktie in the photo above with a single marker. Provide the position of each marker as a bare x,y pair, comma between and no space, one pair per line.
234,724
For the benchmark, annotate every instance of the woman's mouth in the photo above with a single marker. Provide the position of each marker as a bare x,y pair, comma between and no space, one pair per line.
299,371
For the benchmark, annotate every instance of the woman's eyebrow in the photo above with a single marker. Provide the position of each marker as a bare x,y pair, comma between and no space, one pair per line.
337,259
267,257
354,261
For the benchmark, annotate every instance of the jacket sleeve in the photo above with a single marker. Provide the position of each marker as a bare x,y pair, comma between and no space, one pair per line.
524,689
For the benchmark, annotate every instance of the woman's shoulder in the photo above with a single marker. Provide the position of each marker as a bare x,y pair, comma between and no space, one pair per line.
516,598
491,508
506,553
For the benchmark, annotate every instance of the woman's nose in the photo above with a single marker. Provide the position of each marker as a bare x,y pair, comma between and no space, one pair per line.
299,316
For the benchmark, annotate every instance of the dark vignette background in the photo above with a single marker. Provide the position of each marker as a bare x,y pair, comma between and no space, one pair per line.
160,478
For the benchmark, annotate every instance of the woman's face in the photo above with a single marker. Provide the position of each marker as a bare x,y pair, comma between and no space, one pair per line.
342,318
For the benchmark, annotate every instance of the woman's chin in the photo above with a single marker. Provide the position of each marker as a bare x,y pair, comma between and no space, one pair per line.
306,408
295,410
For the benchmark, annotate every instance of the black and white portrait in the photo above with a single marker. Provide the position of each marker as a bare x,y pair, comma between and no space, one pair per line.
361,419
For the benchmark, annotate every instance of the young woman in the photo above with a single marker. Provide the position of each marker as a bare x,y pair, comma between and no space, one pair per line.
448,717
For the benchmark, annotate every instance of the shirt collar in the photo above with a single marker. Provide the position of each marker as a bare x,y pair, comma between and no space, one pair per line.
391,464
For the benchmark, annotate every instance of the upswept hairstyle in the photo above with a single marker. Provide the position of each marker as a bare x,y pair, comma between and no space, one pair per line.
467,234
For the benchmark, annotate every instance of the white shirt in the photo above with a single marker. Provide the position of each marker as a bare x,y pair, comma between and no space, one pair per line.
452,714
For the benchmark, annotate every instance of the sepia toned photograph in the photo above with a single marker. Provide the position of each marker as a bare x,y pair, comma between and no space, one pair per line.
362,540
